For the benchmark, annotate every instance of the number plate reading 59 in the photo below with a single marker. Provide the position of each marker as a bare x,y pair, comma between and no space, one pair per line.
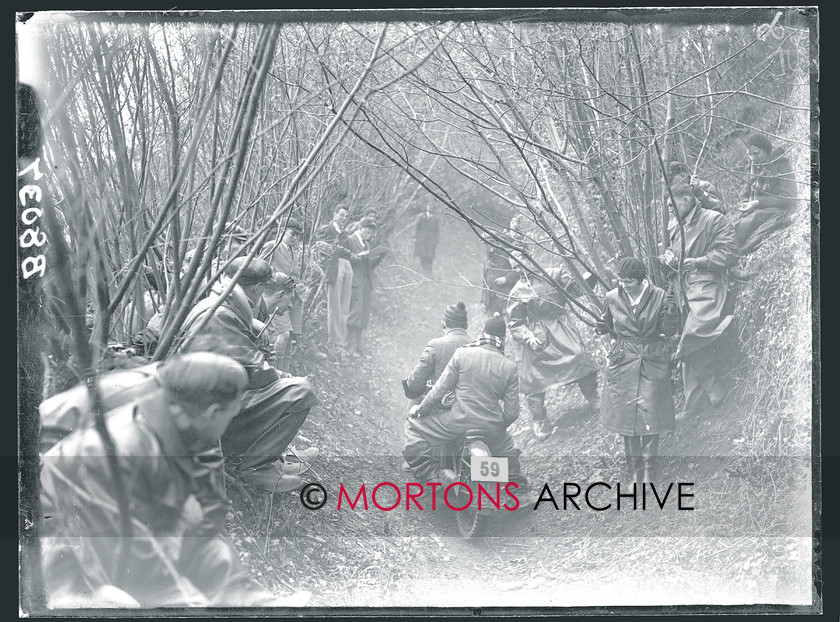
488,469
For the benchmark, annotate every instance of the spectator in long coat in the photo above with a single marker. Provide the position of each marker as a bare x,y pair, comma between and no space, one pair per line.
769,196
549,349
437,353
710,250
338,275
275,404
179,553
285,293
486,388
426,237
637,401
363,263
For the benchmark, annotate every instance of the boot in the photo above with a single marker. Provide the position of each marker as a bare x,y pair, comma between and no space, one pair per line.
740,274
632,455
308,456
295,462
650,450
269,478
539,417
589,387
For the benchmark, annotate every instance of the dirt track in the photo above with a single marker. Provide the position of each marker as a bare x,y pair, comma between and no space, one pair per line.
530,558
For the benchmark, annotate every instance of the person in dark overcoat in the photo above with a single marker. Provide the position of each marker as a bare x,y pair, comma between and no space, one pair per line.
637,400
426,237
275,405
768,198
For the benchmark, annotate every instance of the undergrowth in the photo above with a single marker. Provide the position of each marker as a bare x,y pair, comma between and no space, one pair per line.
774,372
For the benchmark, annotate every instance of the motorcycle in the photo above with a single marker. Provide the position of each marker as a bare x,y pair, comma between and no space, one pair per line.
455,465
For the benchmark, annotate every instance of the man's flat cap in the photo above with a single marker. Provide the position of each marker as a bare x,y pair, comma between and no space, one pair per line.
257,271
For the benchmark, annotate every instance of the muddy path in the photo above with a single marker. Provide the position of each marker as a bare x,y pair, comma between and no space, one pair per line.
544,557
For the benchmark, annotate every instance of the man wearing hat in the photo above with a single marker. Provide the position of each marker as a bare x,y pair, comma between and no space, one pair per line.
363,260
638,402
548,347
275,404
437,353
178,552
769,197
486,387
284,293
701,289
704,191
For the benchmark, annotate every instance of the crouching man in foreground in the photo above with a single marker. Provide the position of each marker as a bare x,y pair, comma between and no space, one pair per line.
177,552
275,405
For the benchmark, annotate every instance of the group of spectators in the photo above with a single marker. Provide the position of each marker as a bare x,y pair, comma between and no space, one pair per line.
460,384
146,528
223,405
347,258
339,262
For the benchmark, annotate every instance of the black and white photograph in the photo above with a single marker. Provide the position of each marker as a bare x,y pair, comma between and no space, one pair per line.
418,311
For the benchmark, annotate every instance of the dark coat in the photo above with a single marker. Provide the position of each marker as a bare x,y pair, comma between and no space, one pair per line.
433,361
710,238
637,398
774,187
69,410
232,322
426,235
270,400
334,247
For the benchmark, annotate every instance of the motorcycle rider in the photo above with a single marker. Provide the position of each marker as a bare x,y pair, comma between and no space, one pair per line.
481,377
437,353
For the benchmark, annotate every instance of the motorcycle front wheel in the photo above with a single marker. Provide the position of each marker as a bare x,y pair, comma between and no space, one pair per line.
471,522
